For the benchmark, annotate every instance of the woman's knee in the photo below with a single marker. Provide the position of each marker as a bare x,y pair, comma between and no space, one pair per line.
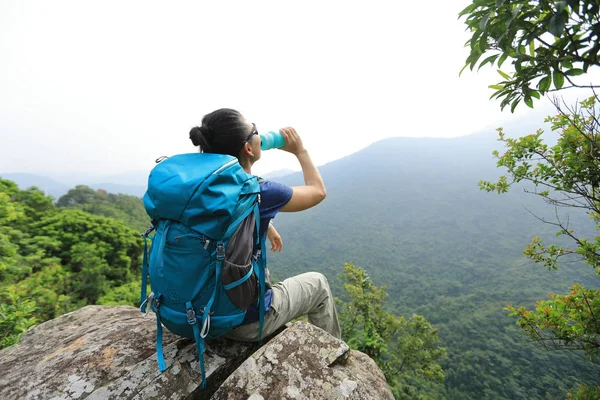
316,276
319,279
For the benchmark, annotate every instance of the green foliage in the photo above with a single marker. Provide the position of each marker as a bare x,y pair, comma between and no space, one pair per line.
406,350
564,175
55,260
548,43
127,294
566,322
586,393
126,208
16,316
108,239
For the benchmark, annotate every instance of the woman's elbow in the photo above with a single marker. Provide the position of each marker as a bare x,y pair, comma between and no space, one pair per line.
321,194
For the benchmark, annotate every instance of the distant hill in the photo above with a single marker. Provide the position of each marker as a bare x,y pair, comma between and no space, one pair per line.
410,212
57,189
277,174
48,185
132,190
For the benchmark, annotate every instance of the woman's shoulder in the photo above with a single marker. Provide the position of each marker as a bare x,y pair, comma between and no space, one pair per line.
275,190
267,185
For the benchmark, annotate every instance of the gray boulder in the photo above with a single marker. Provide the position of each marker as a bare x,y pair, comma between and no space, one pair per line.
305,363
101,352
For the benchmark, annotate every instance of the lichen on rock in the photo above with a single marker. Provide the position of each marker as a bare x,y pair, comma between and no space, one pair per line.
102,352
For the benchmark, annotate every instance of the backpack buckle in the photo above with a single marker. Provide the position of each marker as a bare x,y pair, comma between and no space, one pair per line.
191,316
220,251
148,231
156,302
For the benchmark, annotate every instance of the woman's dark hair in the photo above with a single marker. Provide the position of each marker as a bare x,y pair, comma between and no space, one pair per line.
222,131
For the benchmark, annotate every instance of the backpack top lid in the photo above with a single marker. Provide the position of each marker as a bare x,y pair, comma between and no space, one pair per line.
206,192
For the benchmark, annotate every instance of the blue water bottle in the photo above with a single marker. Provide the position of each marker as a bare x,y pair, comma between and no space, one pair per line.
271,140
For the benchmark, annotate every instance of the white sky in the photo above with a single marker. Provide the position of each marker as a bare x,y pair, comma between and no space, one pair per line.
107,87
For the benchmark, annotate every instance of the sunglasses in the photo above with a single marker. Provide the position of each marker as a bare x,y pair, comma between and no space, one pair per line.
254,132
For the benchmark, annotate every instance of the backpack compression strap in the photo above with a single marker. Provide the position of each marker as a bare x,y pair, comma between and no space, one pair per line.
144,273
262,264
200,332
145,265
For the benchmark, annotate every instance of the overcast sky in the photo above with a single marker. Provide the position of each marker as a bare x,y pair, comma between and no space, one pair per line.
107,87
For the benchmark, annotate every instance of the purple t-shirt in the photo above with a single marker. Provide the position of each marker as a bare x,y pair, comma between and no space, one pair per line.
273,196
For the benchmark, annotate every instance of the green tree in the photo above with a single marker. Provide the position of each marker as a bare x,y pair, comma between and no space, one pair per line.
126,208
61,258
405,349
16,316
549,43
564,175
119,246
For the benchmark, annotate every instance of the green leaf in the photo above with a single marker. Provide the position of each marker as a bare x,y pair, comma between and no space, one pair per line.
514,105
502,59
483,43
532,48
462,69
557,24
574,72
517,65
496,87
504,75
490,60
558,78
499,3
528,101
544,83
560,6
567,64
484,21
467,10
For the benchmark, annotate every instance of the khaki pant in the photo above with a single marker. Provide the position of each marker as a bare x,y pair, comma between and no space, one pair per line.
305,294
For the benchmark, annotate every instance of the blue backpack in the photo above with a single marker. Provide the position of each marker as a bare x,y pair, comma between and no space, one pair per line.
204,271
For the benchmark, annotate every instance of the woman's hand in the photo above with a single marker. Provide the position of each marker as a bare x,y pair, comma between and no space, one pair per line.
293,143
274,238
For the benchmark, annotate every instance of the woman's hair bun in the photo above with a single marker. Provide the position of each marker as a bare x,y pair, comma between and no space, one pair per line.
198,137
194,133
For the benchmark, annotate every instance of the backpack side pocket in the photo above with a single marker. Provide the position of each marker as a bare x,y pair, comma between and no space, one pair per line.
238,278
240,284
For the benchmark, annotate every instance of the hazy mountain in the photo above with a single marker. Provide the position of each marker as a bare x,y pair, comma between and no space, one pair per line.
410,212
280,173
133,190
57,189
48,185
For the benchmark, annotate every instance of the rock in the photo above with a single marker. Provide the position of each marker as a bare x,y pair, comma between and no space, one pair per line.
101,352
304,362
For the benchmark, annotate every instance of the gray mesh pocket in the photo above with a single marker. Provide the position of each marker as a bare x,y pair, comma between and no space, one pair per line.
238,265
244,293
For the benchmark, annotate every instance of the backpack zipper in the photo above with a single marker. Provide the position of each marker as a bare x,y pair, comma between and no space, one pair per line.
194,236
224,166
